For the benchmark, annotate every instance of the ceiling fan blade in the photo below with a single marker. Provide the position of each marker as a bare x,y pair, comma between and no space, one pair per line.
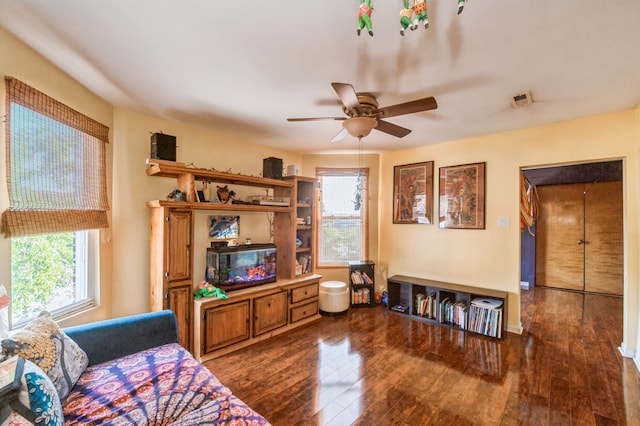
341,135
316,118
392,129
348,96
424,104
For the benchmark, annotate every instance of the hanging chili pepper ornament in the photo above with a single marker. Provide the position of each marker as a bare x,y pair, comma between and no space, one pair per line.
405,17
364,16
461,6
420,10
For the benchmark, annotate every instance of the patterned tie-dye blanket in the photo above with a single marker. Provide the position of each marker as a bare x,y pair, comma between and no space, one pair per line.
160,386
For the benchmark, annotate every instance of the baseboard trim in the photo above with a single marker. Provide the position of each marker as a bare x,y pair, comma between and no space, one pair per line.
516,330
629,353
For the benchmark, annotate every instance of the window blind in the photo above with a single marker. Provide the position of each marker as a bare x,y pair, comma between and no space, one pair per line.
56,165
343,224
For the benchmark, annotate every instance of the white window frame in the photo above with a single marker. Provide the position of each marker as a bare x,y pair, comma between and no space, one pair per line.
87,245
364,213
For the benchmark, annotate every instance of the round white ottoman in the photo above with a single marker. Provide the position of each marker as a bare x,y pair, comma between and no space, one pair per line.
333,298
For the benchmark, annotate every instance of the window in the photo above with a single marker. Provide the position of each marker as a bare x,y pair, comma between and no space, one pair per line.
56,179
51,272
343,225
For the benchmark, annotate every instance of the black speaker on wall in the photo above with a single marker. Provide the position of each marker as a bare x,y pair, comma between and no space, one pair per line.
163,147
272,168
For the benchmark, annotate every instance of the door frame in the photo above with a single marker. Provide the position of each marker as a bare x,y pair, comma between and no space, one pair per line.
578,172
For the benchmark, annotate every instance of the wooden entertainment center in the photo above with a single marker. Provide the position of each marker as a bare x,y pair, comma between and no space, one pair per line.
210,327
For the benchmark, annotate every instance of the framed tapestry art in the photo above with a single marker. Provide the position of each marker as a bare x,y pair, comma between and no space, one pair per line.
462,196
224,227
413,193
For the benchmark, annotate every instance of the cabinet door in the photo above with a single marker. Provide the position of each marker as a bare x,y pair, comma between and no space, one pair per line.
270,312
178,246
226,325
179,300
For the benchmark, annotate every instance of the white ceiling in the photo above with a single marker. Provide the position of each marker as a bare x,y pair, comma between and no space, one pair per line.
244,67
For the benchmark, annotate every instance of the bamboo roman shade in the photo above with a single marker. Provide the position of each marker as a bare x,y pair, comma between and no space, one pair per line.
56,166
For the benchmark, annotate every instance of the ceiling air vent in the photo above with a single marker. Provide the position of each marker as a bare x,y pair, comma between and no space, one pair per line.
522,99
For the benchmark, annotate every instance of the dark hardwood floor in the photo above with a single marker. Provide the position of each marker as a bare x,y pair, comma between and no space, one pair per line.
371,367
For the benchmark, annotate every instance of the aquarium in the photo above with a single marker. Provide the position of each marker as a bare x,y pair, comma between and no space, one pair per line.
242,266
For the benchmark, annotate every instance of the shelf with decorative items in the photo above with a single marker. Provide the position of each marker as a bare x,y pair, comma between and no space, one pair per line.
188,195
303,221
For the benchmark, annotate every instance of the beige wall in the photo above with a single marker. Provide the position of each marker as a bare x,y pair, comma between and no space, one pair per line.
372,161
491,257
18,60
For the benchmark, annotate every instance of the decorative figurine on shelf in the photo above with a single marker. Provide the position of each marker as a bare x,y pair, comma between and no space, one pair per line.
208,290
364,16
420,10
461,6
224,195
406,15
176,195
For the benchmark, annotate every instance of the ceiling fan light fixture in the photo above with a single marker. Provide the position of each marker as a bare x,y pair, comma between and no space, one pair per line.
359,127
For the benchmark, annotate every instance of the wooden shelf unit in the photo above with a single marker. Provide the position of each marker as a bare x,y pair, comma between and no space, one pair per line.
362,292
171,253
188,175
451,304
300,259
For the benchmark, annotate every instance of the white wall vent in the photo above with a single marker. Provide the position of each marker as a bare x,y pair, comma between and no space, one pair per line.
522,99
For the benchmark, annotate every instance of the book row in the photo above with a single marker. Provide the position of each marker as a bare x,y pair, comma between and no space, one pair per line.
360,296
426,305
303,264
483,316
486,318
359,277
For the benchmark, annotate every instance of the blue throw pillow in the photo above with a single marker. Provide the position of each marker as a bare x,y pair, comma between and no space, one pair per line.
38,394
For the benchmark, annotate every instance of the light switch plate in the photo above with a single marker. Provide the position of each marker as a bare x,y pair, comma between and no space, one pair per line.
503,222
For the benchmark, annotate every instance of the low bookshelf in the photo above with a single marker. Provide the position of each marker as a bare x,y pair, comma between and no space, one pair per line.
478,310
361,279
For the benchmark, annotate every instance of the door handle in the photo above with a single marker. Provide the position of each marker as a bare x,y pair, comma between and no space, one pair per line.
581,241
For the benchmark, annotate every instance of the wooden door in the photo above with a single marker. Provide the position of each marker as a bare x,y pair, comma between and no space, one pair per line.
179,300
579,237
270,312
226,325
559,232
604,244
178,246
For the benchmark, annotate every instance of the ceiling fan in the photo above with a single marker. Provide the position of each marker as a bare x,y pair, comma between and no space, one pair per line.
363,114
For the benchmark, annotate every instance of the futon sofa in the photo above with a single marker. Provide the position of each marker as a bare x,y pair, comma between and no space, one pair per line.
138,374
